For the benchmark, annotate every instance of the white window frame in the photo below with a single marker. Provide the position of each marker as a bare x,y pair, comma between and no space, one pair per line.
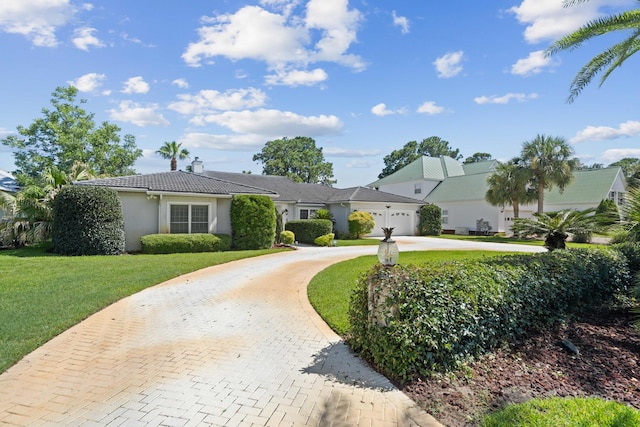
189,215
417,188
445,216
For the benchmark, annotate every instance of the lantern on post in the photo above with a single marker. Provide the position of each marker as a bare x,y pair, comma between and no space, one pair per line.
388,253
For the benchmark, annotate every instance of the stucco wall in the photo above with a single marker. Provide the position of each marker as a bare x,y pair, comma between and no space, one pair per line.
140,218
465,214
407,189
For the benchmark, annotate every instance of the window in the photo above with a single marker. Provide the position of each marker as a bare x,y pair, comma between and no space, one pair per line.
445,216
307,213
417,188
189,219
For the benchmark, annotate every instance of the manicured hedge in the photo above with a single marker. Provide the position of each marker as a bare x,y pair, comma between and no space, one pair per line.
184,243
360,224
430,223
441,315
287,237
307,230
253,221
325,240
87,221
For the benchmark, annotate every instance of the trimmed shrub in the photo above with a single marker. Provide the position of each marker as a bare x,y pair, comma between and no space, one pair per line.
307,230
326,240
87,221
631,250
438,316
287,237
430,222
360,224
253,222
185,243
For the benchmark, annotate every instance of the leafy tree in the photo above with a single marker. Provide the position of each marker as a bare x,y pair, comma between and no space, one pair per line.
631,169
433,147
172,151
67,134
29,217
608,60
510,185
298,159
360,224
555,227
549,159
478,157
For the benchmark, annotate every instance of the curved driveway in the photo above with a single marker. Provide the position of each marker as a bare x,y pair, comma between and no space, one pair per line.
232,345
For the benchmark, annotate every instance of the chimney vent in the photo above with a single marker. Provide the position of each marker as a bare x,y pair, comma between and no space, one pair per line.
196,165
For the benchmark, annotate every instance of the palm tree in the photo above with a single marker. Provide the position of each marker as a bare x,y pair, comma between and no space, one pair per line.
608,60
509,184
555,227
171,150
549,159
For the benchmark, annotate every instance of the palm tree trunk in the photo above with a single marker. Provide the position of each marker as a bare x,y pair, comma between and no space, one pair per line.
540,195
174,164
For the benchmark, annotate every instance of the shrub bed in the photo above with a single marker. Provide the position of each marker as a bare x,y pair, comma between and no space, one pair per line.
307,230
438,316
184,243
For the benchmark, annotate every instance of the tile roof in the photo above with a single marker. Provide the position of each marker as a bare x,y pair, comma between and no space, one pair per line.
290,191
177,182
7,182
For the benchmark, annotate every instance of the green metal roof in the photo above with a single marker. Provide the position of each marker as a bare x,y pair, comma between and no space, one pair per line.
589,186
479,167
424,168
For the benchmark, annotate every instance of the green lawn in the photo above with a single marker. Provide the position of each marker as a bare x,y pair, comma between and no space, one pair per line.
41,294
330,290
502,239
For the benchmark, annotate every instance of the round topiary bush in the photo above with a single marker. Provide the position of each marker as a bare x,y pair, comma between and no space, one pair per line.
87,221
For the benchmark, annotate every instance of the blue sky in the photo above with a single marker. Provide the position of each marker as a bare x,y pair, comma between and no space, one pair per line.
361,77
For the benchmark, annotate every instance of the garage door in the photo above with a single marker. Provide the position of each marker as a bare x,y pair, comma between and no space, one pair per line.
403,222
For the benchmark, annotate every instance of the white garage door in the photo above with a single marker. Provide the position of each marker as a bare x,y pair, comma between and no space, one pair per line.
403,222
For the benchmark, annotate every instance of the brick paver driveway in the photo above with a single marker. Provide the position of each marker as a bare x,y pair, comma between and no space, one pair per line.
232,345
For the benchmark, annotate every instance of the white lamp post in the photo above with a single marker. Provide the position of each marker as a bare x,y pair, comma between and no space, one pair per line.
388,253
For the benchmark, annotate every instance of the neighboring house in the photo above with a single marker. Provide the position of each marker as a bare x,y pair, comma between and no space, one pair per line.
200,202
461,195
7,185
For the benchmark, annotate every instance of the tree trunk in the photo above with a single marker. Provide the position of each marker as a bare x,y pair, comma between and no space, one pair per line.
174,164
540,196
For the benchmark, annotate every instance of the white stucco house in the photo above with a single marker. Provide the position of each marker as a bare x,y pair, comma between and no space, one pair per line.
459,189
200,201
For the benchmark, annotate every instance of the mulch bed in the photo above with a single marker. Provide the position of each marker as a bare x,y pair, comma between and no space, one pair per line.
607,366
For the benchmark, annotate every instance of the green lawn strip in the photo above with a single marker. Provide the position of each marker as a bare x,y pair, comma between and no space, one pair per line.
358,242
330,290
41,294
564,412
512,240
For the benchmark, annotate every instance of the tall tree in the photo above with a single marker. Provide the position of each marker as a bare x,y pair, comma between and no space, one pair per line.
608,60
510,185
478,157
172,151
298,159
551,163
433,146
67,134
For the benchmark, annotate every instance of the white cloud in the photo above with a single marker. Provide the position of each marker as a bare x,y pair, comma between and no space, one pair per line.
430,107
132,112
360,164
222,142
37,20
402,22
448,65
181,83
343,152
274,123
548,20
533,64
208,101
505,99
83,38
297,77
381,110
603,133
615,154
135,85
88,82
282,41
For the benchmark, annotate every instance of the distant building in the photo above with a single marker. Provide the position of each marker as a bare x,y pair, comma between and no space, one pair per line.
8,183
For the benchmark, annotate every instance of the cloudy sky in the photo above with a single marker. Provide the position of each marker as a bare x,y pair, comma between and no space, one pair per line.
361,77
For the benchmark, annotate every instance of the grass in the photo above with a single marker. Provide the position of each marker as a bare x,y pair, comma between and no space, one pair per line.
512,240
559,412
42,294
358,242
330,290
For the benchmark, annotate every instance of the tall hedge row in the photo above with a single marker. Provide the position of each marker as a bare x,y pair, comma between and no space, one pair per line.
253,221
430,222
87,221
440,315
308,230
